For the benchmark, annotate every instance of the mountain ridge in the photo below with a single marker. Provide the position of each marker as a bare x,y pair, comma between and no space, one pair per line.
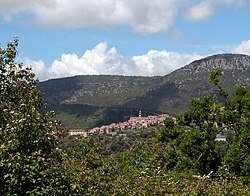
123,96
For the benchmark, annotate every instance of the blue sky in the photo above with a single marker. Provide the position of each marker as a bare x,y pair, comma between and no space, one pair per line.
61,38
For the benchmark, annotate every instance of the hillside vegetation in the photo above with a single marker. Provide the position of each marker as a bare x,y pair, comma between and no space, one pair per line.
87,101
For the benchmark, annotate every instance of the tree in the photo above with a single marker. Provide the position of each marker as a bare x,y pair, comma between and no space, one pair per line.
199,126
236,117
198,144
235,120
27,151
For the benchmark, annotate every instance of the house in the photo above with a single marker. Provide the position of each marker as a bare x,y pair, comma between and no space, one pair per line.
78,132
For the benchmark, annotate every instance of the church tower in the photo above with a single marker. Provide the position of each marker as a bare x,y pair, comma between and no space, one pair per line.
140,113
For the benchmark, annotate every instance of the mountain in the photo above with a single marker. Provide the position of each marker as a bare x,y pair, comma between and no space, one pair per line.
192,81
88,101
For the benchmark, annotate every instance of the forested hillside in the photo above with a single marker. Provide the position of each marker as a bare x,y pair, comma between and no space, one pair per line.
88,101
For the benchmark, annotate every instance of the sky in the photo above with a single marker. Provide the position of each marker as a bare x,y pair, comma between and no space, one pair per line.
62,38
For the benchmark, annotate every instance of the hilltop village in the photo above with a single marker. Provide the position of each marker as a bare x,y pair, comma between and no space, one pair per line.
138,122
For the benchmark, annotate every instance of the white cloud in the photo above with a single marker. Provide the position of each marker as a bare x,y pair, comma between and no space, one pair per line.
200,11
38,67
243,48
10,8
142,15
205,9
99,60
161,62
102,60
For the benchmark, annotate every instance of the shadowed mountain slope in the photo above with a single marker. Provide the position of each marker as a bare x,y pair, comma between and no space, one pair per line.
88,101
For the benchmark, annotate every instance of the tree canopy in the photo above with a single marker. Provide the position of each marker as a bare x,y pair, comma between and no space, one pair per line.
206,119
27,144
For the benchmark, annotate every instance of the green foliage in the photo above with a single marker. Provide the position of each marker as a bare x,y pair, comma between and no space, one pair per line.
139,171
214,76
170,132
237,119
23,126
27,161
192,138
196,131
215,79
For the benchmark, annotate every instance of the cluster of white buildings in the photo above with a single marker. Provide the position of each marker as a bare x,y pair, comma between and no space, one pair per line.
133,123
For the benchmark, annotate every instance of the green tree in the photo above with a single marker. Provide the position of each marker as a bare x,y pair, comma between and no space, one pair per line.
192,140
27,155
198,146
170,132
236,118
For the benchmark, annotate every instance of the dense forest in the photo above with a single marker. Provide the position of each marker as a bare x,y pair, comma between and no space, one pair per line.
182,157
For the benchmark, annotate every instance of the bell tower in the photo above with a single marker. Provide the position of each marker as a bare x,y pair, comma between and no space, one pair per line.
140,113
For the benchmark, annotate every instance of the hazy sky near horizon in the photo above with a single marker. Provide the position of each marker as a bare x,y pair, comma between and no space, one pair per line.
61,38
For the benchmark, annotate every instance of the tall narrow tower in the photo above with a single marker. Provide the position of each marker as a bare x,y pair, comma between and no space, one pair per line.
140,113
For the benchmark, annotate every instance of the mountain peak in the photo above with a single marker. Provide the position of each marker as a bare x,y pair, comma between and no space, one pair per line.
223,61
